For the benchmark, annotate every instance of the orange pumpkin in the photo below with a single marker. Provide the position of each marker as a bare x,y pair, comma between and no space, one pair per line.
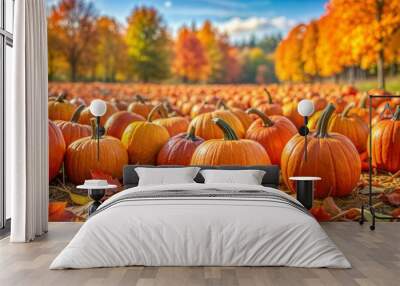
386,144
116,123
272,133
201,108
140,106
378,100
244,118
72,130
290,111
353,127
144,139
60,108
81,157
362,110
56,149
175,124
179,149
119,104
331,156
86,115
207,129
270,108
230,150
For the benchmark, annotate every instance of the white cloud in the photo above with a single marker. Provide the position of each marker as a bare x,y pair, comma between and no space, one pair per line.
240,27
167,4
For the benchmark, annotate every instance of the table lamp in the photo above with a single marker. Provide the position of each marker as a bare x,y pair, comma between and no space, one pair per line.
98,108
305,108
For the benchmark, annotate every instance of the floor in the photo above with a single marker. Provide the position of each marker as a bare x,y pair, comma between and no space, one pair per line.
375,257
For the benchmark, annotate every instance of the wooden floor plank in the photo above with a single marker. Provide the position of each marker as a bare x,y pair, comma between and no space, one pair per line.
375,257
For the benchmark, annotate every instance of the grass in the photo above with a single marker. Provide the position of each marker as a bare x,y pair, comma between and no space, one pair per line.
392,84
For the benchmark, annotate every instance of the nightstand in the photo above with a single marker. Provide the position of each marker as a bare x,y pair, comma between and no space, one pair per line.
305,190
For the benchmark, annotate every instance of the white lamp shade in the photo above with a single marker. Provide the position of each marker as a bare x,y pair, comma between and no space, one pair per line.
98,107
305,107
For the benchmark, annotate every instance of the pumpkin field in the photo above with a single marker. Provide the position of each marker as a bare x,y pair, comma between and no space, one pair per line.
227,125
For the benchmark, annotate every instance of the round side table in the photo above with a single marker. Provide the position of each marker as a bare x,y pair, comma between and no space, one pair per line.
96,194
305,190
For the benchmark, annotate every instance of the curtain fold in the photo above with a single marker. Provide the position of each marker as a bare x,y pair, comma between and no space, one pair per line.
27,124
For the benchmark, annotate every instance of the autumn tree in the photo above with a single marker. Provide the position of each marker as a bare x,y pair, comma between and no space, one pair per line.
308,51
231,66
190,61
289,64
209,39
72,30
148,45
110,50
366,30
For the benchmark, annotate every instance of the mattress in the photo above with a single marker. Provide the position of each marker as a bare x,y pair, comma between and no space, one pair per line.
201,225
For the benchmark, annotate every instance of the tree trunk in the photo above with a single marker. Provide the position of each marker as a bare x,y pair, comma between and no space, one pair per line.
73,70
381,57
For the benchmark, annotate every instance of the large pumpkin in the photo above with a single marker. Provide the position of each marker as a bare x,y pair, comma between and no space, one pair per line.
290,111
174,124
86,115
81,158
60,108
72,130
270,108
179,149
207,129
144,139
201,108
331,156
244,117
353,127
56,149
272,133
116,123
140,106
230,150
386,144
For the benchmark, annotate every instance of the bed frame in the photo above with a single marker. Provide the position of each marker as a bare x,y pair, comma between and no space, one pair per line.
270,179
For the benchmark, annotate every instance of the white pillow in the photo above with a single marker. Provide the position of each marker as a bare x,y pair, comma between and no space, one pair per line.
248,177
166,176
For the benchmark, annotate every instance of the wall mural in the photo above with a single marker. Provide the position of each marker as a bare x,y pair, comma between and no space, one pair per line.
164,84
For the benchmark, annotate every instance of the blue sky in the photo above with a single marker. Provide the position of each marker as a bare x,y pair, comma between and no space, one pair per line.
240,18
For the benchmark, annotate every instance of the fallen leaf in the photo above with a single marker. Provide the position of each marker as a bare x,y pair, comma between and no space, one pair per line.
320,214
396,213
57,212
99,175
330,206
353,213
392,198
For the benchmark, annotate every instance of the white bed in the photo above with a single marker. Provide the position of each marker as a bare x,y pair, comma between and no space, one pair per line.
207,230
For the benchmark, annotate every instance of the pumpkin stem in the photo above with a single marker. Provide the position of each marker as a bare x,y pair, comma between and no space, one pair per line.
322,126
222,105
347,109
93,125
140,98
229,133
266,120
61,97
158,108
77,113
396,115
269,95
191,135
363,101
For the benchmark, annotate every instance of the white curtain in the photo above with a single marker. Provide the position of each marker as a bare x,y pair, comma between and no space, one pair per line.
26,124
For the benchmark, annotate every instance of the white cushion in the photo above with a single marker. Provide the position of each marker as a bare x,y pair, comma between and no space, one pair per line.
166,176
247,177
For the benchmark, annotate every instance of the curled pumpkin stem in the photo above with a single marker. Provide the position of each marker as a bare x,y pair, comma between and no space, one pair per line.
77,113
158,108
322,126
266,120
222,105
140,98
61,97
270,101
229,133
93,125
347,109
396,115
363,101
191,135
